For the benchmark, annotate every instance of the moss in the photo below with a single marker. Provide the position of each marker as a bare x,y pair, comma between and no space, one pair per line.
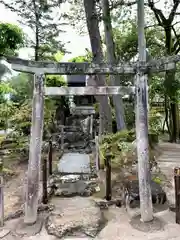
2,138
157,180
7,171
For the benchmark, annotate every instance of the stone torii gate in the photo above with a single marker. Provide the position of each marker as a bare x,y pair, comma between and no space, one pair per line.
40,69
140,69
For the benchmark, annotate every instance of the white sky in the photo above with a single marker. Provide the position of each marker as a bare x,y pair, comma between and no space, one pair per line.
77,43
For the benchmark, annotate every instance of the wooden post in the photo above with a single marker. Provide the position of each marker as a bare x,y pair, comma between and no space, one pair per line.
1,196
97,160
34,165
177,193
50,157
62,137
44,182
108,177
142,124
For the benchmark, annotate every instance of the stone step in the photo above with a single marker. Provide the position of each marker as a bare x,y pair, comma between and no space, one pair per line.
166,152
173,160
171,153
172,164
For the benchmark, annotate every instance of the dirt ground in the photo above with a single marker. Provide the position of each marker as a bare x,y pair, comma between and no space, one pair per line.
14,185
14,189
14,180
119,225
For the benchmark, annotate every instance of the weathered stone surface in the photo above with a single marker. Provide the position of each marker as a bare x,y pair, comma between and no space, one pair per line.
80,187
4,232
158,195
41,236
11,237
70,178
72,137
103,204
74,163
75,216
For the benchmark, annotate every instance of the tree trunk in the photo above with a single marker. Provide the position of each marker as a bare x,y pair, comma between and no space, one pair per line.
169,79
36,49
111,58
95,40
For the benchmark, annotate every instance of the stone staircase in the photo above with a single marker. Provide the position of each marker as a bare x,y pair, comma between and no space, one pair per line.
167,161
170,157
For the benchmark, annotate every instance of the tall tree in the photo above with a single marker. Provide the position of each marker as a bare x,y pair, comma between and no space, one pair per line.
172,44
95,39
77,18
111,58
44,21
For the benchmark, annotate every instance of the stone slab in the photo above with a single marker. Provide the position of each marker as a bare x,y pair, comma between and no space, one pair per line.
76,217
74,163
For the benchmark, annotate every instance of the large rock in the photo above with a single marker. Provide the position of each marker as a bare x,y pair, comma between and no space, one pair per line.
73,185
158,195
79,188
75,217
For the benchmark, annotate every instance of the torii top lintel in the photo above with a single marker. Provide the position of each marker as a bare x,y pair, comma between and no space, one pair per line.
71,68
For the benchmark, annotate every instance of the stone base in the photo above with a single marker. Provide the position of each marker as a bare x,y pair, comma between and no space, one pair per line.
29,230
155,225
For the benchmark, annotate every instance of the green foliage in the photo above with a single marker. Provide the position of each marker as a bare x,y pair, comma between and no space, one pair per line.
121,148
129,112
156,88
126,136
126,41
7,110
119,145
60,101
54,81
5,89
11,38
155,122
21,119
22,85
84,58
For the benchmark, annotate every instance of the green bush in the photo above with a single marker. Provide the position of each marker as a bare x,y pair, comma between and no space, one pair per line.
155,122
120,146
